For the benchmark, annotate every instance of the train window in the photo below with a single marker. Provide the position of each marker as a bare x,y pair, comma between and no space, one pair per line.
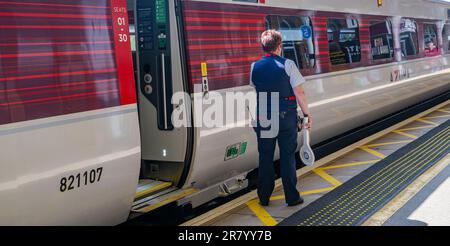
430,39
446,38
408,37
343,41
381,39
298,40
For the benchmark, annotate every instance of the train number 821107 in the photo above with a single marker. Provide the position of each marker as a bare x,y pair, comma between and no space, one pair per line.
80,179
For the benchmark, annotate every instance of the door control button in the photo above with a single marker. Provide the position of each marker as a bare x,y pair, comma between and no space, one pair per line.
148,78
148,89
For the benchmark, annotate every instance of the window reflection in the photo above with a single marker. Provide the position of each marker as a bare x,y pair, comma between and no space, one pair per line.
381,39
408,37
430,39
298,40
446,38
343,41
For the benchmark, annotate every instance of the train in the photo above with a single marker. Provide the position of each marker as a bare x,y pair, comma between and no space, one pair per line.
87,87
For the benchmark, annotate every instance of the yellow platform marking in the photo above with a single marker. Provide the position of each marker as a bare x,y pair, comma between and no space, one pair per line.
276,198
352,164
383,215
437,117
167,201
405,134
153,189
318,191
372,152
327,177
261,213
415,128
428,122
305,193
444,111
388,143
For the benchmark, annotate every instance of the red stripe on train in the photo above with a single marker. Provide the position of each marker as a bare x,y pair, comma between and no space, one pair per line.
57,98
45,15
53,5
223,46
224,28
59,85
124,62
53,27
220,20
64,53
223,12
228,60
53,43
40,76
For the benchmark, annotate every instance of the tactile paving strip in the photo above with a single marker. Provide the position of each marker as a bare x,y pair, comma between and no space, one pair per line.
359,198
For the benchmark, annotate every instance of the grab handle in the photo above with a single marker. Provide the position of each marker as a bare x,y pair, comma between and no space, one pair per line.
164,94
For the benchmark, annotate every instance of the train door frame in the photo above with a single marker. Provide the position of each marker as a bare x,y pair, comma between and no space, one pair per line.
177,54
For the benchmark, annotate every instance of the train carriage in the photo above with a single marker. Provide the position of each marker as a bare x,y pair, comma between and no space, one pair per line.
86,121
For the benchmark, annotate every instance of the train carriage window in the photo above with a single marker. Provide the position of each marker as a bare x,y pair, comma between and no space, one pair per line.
408,37
298,40
381,40
446,38
343,41
430,39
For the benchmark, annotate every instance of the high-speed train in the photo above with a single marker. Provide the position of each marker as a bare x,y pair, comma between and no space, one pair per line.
86,130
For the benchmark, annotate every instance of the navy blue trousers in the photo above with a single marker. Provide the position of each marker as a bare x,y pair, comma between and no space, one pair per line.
287,142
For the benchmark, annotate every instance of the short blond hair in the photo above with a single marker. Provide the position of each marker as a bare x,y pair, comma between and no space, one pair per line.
271,40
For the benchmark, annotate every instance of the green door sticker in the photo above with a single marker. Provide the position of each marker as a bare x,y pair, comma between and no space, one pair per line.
235,150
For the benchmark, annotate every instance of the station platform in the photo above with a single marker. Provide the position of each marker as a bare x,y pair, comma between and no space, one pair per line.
399,176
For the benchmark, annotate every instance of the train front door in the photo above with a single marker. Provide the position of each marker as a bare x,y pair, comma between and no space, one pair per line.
165,147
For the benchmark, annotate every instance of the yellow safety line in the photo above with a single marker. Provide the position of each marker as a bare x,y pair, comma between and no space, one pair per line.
327,177
428,122
388,143
305,193
153,189
350,164
276,198
444,111
261,213
437,117
372,152
415,128
405,134
167,201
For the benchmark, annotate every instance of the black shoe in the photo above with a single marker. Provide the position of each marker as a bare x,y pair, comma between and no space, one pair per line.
298,202
264,204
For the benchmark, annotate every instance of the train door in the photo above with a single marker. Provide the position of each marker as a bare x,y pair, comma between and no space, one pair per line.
165,148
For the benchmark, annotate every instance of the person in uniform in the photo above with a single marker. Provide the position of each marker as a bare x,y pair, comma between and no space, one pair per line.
275,75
